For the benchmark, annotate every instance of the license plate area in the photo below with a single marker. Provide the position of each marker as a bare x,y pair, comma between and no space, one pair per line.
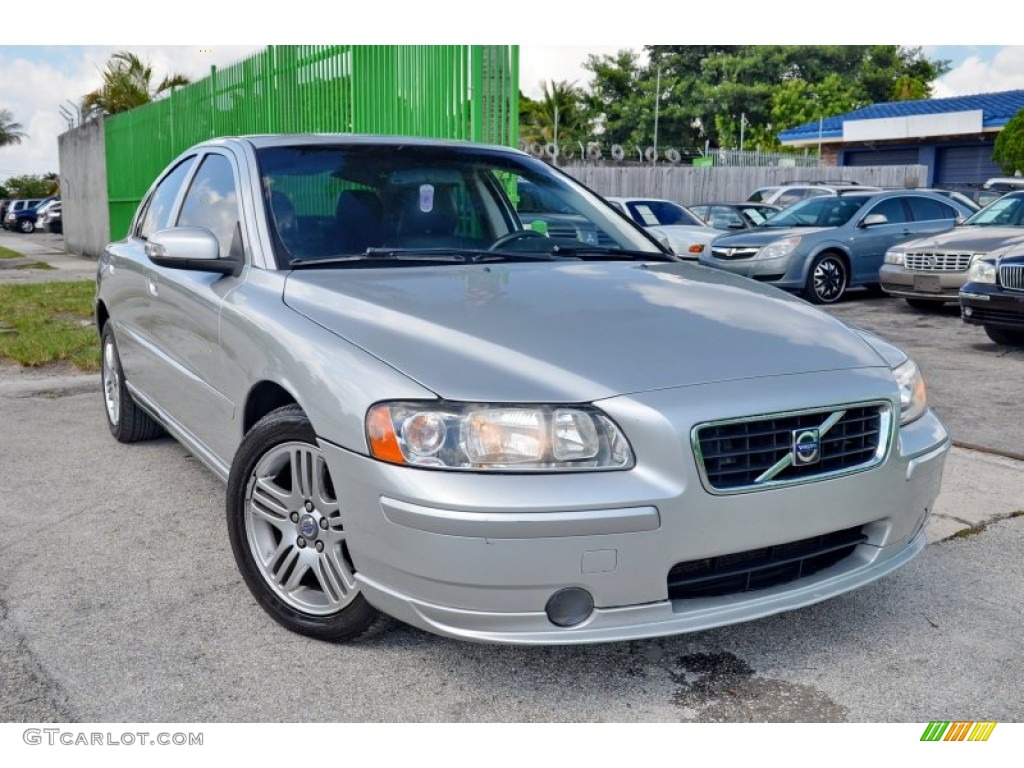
927,283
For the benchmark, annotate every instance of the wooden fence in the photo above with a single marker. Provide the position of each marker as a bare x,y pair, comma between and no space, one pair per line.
692,186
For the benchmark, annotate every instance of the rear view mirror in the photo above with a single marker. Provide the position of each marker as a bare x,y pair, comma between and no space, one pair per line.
874,220
194,248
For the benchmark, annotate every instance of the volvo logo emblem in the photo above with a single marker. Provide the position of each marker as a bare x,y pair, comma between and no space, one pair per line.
308,526
806,447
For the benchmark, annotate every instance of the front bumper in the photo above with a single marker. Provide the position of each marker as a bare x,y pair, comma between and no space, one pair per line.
988,304
477,556
907,284
786,272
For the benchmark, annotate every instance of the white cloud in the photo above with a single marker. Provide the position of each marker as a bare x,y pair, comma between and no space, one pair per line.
1004,72
33,91
539,63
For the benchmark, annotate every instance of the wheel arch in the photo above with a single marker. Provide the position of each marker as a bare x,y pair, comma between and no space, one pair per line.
102,316
265,396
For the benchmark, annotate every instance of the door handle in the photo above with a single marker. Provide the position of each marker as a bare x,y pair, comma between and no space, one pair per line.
152,285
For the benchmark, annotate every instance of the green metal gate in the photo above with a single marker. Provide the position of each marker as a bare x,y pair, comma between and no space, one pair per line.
439,91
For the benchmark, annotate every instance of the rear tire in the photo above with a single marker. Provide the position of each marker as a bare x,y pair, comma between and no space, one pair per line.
1004,337
127,421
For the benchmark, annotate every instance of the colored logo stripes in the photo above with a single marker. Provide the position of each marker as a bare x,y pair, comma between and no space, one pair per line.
939,730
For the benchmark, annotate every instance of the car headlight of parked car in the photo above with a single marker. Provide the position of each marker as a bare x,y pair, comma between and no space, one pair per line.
895,256
779,248
503,438
913,397
982,271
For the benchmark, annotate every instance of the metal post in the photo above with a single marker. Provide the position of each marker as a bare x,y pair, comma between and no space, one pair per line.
743,123
821,124
554,160
657,104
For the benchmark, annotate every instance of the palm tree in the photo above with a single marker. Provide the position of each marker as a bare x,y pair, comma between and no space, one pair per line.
561,105
10,131
127,83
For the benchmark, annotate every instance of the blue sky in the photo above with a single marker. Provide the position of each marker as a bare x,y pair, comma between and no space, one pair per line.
39,78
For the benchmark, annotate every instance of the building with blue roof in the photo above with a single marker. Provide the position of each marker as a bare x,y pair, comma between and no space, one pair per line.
952,137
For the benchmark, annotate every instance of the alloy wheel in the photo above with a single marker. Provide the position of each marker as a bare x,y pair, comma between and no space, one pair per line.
294,530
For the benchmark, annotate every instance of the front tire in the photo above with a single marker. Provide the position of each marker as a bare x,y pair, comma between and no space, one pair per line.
827,279
288,536
1004,337
128,423
26,227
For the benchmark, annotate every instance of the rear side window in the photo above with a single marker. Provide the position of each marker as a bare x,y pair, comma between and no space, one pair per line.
892,208
158,209
212,202
930,210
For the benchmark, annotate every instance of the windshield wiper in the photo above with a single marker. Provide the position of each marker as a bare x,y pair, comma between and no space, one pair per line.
442,255
592,252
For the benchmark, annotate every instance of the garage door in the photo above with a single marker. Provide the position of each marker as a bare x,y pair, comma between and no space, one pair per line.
965,165
907,156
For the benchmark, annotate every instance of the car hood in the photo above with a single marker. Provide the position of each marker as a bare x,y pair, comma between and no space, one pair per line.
974,239
764,235
573,332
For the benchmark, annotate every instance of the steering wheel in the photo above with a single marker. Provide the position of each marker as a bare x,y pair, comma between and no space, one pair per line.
511,237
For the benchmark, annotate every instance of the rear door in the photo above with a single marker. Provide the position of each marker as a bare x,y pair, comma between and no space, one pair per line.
871,243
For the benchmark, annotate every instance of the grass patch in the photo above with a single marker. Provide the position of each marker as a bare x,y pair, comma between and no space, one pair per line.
7,253
34,265
45,323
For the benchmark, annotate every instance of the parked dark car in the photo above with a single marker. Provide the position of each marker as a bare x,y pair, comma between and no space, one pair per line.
994,298
824,245
734,216
14,208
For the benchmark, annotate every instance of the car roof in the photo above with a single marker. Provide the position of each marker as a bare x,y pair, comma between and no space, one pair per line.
261,141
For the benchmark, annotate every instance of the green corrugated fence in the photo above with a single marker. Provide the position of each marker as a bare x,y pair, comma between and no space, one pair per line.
439,91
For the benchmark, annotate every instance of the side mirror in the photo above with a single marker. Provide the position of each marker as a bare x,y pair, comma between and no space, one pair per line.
193,248
959,221
873,220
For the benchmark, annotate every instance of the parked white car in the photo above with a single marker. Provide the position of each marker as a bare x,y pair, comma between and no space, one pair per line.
670,222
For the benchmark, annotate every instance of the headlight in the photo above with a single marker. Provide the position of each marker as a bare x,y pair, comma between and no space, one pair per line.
779,248
475,437
895,256
913,398
981,271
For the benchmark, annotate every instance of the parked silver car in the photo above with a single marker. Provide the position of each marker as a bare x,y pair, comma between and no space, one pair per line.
825,245
930,271
424,409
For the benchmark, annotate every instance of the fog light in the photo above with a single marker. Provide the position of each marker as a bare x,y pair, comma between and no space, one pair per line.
569,607
968,311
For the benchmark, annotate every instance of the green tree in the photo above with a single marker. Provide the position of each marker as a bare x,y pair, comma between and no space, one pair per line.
10,131
561,104
32,185
1008,153
707,90
127,83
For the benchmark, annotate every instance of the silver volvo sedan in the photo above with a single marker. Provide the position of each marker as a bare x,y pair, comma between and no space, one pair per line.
426,409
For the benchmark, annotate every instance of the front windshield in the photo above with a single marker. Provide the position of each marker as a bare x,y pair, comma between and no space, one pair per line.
332,202
1007,211
654,213
818,212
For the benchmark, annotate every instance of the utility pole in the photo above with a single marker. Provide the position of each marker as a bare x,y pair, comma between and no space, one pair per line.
555,158
657,104
743,123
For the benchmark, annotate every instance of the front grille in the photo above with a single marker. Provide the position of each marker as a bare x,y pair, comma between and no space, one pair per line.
761,568
982,315
734,253
750,454
1011,277
938,262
